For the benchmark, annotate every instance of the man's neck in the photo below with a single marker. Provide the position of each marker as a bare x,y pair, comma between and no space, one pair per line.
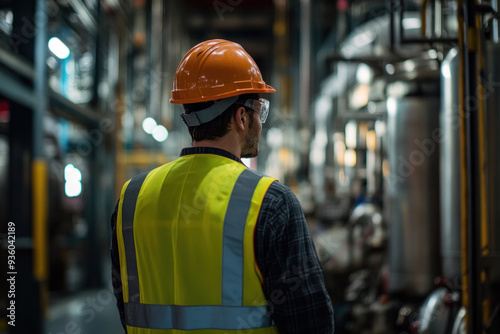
227,143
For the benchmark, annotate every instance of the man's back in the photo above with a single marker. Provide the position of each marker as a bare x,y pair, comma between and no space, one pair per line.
194,215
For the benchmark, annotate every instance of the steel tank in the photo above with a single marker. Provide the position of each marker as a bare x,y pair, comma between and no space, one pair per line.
451,216
413,198
451,160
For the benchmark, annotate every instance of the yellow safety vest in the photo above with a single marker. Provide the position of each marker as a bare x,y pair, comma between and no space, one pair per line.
185,239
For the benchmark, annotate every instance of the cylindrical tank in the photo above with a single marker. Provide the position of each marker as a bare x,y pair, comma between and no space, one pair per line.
413,184
450,163
450,169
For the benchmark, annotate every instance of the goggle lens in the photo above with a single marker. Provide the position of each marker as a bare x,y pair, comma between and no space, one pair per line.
261,106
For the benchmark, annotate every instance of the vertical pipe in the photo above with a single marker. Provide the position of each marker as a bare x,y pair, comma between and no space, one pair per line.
39,166
483,198
423,18
471,128
155,70
305,61
495,27
401,17
463,165
40,78
391,24
438,19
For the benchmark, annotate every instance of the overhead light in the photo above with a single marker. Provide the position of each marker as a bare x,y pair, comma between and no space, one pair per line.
351,133
160,133
411,23
350,158
58,48
148,125
409,65
73,178
364,74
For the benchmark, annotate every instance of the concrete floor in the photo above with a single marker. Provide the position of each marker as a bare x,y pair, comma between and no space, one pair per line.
91,311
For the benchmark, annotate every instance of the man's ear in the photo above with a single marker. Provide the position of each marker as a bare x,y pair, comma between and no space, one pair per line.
240,119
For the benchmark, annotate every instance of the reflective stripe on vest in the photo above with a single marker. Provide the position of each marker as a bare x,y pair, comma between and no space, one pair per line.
231,315
196,317
128,211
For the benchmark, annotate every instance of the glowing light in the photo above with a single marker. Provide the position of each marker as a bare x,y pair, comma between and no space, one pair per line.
432,54
350,158
360,96
409,65
317,156
351,134
339,149
58,48
391,106
73,188
73,177
380,128
411,23
160,133
71,173
364,74
148,125
371,140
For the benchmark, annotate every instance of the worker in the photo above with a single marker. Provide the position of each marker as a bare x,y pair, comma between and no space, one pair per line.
204,244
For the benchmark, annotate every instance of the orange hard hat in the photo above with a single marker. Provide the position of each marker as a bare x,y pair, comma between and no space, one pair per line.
216,69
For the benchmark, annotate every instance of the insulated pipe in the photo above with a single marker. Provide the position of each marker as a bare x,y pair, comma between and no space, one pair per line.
423,17
463,164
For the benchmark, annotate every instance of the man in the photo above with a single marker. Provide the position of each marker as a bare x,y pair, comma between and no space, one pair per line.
203,244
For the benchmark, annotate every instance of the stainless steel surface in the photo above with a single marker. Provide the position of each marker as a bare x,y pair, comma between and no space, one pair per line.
412,202
371,232
459,323
434,314
450,169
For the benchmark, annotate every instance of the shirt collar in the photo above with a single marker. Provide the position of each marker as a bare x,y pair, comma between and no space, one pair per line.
210,150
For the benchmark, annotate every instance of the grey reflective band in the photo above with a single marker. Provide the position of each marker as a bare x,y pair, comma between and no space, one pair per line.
196,317
128,212
208,114
232,239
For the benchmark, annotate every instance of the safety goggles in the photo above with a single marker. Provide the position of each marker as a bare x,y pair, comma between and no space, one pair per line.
261,106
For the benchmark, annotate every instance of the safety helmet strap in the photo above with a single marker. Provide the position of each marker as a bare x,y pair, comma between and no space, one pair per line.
206,115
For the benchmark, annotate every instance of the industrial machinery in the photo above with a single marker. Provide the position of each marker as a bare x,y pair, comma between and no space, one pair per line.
413,139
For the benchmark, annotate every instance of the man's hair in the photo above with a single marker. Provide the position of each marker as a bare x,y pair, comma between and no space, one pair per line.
219,126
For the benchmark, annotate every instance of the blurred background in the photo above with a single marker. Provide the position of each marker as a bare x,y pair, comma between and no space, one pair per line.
384,125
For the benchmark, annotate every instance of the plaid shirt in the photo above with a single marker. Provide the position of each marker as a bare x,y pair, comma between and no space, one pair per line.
285,254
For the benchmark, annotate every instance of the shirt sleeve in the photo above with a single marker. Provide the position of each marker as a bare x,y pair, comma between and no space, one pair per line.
115,268
293,279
